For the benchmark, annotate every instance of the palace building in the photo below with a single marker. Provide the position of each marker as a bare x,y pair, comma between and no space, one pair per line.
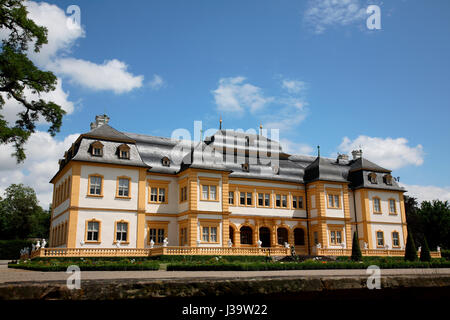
231,191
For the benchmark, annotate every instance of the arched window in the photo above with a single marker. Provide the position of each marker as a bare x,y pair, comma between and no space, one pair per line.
232,234
246,235
299,237
282,235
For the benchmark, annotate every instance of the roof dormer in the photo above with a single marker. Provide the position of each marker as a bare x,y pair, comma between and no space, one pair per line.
96,149
123,151
165,162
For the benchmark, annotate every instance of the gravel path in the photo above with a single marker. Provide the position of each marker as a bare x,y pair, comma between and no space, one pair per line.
15,275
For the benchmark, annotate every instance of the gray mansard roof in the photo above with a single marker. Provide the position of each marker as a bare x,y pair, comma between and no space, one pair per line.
225,151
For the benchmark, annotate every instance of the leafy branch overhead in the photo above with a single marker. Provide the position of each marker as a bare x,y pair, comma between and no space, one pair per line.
19,77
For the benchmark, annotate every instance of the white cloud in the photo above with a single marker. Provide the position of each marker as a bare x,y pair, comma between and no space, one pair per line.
293,86
58,96
322,14
234,95
386,152
292,147
285,111
61,36
157,82
111,75
43,152
427,193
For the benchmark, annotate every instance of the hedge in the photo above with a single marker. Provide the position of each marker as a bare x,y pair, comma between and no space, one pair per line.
309,265
10,249
88,265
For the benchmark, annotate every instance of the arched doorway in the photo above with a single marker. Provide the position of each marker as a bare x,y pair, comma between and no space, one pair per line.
232,235
264,236
246,235
299,237
282,235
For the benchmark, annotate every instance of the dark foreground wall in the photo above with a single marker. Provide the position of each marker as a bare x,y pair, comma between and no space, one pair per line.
289,288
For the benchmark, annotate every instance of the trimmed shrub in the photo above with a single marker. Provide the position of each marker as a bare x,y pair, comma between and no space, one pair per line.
10,249
356,250
425,251
410,250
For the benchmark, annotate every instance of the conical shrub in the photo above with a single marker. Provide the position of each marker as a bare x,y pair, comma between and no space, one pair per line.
410,250
425,252
356,250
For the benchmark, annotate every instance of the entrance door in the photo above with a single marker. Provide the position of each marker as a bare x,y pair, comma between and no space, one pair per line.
264,236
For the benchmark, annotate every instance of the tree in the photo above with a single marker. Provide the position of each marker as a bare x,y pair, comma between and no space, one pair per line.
435,222
21,216
18,75
356,250
425,251
410,250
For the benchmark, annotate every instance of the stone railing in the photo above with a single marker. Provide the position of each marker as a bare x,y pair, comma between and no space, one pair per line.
366,252
129,252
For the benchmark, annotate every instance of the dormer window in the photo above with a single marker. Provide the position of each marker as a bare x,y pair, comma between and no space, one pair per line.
388,179
245,167
373,177
97,149
165,162
123,151
276,169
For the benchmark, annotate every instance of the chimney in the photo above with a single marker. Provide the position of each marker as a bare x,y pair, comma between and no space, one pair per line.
99,121
356,154
342,158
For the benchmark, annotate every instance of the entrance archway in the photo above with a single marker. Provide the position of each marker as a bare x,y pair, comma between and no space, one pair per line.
232,235
264,236
282,235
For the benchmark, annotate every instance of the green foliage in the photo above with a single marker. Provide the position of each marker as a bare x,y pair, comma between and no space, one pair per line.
86,264
10,249
356,250
307,265
21,217
431,220
19,75
425,251
410,250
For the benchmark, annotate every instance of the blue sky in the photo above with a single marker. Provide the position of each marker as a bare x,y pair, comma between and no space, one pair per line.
310,68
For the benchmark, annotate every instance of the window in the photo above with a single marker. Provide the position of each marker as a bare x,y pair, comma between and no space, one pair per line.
263,199
209,231
231,197
388,179
122,231
183,236
297,202
281,200
336,235
376,205
97,149
165,162
157,231
392,206
123,151
316,238
95,185
380,239
246,235
245,198
92,231
209,192
334,199
395,239
372,177
158,191
123,187
183,193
